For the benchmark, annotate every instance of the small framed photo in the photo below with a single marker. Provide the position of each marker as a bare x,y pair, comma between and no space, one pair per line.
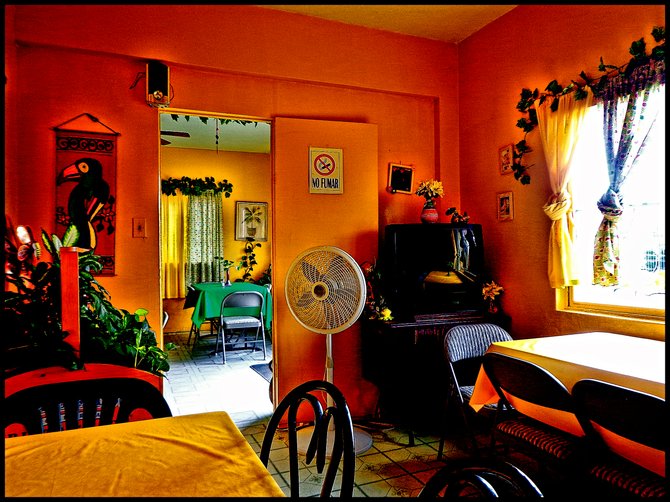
400,179
506,158
251,220
505,208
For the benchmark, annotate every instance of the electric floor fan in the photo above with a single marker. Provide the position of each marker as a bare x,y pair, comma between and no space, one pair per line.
325,292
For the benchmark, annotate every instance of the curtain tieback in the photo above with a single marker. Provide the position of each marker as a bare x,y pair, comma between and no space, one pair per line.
611,205
557,206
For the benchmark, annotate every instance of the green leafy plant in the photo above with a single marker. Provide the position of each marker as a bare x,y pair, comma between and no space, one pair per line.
248,260
107,334
554,91
195,186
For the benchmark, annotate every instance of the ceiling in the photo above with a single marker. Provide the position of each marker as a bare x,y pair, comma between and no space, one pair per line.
446,23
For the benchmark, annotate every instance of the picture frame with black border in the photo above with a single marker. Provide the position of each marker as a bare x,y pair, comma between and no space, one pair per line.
401,178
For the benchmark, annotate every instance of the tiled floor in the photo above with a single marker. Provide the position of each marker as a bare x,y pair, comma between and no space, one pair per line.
198,382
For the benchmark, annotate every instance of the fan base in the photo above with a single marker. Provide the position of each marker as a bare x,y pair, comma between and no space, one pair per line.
362,440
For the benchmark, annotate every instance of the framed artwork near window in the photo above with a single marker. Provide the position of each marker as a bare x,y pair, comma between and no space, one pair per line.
505,158
400,178
251,220
505,208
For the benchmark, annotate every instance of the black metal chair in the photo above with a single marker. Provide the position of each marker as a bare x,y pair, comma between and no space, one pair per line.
612,416
480,478
464,349
333,428
53,407
526,394
233,328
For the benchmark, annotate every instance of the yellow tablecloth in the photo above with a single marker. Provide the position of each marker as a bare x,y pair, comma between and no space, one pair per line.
202,455
637,363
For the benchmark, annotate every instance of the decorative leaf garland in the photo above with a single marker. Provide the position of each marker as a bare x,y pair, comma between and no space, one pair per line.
554,91
195,186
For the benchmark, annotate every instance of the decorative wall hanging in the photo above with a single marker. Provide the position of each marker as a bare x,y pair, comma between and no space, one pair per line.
400,179
251,220
505,206
325,170
86,185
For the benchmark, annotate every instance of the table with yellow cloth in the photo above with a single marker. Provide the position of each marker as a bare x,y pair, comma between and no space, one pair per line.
211,294
637,363
628,361
201,455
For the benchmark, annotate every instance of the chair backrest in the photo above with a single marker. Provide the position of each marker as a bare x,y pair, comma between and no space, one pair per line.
480,478
465,346
75,404
472,340
251,301
531,390
630,423
335,421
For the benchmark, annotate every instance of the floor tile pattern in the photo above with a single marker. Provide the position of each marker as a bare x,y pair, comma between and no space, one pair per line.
198,381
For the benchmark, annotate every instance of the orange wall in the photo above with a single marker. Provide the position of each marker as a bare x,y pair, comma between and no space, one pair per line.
237,60
250,175
529,47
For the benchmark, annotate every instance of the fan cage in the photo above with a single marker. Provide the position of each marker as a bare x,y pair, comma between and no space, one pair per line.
325,289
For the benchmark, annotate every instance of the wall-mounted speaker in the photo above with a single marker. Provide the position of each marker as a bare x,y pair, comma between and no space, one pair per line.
158,84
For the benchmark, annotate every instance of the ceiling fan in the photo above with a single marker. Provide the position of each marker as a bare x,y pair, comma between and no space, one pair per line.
173,133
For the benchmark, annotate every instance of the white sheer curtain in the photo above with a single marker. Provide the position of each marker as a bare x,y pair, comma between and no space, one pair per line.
204,257
559,131
174,210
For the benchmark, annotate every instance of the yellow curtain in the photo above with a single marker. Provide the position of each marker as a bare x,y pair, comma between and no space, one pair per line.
559,131
174,209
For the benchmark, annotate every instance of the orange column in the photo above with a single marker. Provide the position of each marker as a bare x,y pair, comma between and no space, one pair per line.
69,262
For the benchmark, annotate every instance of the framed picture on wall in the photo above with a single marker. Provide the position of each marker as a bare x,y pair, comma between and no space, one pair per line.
251,220
505,158
505,206
400,178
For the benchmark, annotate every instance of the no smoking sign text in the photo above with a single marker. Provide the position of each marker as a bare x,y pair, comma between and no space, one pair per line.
325,170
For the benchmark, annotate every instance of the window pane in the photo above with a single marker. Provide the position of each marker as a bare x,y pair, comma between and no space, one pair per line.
642,225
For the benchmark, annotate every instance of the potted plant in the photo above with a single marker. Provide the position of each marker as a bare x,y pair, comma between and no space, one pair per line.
252,217
32,309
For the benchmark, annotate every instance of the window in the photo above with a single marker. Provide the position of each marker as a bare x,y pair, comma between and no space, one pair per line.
641,289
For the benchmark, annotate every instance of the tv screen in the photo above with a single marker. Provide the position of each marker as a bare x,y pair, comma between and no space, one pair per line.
432,268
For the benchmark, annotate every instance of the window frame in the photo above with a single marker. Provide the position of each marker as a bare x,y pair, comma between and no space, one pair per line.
566,302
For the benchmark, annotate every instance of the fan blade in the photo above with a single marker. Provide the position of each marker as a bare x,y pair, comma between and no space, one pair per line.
165,142
305,300
176,133
310,272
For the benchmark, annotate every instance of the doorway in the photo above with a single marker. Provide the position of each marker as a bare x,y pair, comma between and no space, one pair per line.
204,150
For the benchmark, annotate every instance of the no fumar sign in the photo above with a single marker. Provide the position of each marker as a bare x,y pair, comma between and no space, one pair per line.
325,170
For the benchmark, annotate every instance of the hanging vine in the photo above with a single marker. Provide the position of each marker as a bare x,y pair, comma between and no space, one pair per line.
195,186
554,91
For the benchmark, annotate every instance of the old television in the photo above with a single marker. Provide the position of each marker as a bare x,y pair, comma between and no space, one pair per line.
432,268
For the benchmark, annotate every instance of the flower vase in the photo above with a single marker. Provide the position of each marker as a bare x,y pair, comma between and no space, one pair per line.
429,213
493,308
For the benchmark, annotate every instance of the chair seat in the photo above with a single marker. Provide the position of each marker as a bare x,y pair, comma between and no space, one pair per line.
546,439
626,478
240,322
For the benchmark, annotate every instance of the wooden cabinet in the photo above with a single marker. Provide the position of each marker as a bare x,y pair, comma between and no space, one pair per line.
405,359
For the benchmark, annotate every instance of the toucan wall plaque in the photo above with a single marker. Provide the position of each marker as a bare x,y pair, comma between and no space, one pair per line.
86,191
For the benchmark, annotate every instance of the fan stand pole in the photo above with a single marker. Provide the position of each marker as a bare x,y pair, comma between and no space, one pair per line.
362,440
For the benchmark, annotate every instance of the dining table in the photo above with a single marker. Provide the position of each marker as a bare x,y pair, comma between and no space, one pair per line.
199,455
630,361
207,298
